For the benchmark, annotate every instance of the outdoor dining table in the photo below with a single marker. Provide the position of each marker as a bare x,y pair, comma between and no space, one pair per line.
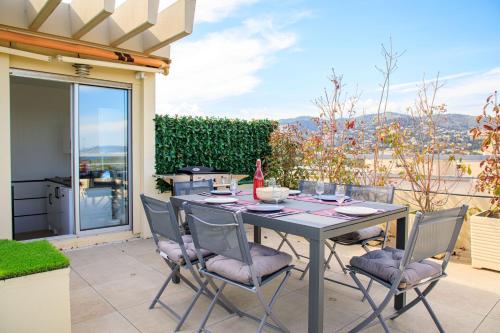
308,222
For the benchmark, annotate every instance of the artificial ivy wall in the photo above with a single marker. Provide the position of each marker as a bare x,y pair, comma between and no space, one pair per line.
225,144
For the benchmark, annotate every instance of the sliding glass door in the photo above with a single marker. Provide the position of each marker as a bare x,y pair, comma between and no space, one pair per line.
102,156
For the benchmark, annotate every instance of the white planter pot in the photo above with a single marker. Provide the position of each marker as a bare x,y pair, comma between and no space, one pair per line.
36,303
485,241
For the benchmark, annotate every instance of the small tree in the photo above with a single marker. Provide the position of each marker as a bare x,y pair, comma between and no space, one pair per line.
287,155
377,172
488,129
327,149
422,153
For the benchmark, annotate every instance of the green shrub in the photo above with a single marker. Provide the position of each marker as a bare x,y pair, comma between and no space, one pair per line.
225,144
19,259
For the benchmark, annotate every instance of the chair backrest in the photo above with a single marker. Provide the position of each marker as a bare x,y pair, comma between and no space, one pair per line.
220,232
383,194
194,187
161,219
309,187
434,233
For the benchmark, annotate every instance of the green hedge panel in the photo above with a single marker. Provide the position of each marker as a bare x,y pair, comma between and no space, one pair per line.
221,143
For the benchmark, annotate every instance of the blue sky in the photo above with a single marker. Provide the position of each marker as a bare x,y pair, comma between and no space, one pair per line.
270,58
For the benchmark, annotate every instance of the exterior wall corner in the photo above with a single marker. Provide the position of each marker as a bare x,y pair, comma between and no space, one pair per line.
5,162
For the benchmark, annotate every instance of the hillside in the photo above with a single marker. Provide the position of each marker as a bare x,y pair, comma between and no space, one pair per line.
454,122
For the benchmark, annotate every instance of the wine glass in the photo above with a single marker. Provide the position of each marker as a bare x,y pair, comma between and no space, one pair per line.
276,193
271,182
340,194
233,187
320,188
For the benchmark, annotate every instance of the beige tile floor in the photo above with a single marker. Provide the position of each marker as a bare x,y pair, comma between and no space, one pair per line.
112,286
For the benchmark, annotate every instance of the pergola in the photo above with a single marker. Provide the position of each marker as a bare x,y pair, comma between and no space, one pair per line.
134,32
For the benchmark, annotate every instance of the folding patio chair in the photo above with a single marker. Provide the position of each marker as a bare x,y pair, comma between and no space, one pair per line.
239,263
363,236
176,250
400,271
305,187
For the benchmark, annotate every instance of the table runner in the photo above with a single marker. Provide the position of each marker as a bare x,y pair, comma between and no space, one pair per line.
316,200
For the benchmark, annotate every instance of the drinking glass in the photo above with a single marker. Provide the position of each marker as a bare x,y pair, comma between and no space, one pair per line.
340,194
320,188
233,187
271,182
276,193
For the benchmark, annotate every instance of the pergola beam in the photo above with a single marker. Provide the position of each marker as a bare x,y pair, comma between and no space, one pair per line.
135,26
132,18
174,23
86,15
39,10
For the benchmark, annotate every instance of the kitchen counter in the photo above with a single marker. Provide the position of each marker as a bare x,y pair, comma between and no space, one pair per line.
64,181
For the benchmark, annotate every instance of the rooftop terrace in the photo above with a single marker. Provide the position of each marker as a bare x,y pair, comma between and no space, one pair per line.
112,286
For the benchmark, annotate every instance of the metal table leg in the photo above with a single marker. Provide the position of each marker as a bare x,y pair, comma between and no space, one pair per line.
316,285
257,235
401,237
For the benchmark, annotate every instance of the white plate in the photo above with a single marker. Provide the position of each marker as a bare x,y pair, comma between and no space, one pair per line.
333,197
294,192
221,192
272,201
356,210
265,208
221,200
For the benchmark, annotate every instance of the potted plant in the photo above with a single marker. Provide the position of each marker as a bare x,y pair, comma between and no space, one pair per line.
34,288
485,226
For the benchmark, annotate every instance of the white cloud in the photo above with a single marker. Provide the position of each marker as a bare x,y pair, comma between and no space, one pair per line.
220,65
414,86
469,94
277,112
463,93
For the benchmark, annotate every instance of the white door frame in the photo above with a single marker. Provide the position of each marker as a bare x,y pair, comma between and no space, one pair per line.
75,162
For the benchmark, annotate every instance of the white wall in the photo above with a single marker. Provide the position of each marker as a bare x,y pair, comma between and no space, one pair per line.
40,122
5,189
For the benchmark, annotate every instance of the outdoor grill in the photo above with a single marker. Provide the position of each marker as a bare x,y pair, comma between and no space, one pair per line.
205,172
195,173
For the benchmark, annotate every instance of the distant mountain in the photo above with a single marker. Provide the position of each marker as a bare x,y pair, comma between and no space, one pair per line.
457,122
103,150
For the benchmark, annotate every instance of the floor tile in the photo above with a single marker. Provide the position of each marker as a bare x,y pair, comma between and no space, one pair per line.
86,304
96,254
126,276
452,319
489,325
136,246
76,282
495,312
110,323
104,272
135,289
152,321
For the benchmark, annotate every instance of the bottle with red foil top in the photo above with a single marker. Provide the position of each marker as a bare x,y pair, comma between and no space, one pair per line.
258,179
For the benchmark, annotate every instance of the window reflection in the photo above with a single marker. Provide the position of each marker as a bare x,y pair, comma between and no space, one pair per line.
103,131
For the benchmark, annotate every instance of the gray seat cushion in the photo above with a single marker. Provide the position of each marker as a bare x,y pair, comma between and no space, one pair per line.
265,261
360,235
173,250
384,264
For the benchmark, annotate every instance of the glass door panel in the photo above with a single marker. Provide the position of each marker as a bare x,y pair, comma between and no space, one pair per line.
103,115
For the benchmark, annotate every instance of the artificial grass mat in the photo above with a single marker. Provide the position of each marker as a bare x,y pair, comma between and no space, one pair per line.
19,259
